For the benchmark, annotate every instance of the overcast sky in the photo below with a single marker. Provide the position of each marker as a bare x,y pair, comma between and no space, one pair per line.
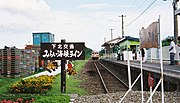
86,21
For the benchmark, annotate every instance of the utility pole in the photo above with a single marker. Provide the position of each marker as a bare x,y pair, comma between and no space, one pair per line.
111,33
122,24
175,21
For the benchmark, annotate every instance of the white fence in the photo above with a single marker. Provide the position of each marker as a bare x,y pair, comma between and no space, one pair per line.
153,53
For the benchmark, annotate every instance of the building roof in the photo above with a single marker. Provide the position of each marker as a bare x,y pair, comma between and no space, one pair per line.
42,33
112,42
128,38
177,12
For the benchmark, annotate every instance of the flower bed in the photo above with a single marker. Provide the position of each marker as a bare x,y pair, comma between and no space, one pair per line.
19,100
33,85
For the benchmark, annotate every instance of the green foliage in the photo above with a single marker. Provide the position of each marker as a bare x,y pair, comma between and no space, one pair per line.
165,42
53,95
55,87
88,52
5,82
102,52
72,83
73,86
52,99
38,98
79,64
32,85
14,97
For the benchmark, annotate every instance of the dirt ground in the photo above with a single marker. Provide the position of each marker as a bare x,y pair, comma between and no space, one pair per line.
90,79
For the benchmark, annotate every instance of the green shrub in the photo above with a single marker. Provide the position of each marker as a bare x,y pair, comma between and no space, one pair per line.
33,85
15,97
52,99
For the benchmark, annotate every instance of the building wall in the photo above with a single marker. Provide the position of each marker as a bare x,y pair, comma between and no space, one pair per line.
10,59
153,53
18,62
128,43
44,37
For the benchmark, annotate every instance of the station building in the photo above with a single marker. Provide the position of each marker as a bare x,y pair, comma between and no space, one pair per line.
117,48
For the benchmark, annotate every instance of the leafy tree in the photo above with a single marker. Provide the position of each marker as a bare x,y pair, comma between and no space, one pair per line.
88,52
165,42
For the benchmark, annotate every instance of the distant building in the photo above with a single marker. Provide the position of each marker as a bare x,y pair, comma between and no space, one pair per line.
18,62
29,59
111,48
10,61
116,48
130,44
42,37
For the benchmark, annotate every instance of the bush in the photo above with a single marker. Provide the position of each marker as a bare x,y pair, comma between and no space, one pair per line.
35,98
33,85
52,99
18,100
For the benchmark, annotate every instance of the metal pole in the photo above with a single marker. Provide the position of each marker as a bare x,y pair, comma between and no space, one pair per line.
151,93
63,73
161,61
129,70
142,94
111,33
122,24
175,21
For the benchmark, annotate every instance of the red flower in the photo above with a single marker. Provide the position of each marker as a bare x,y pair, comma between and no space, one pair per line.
19,100
32,100
4,101
27,101
9,101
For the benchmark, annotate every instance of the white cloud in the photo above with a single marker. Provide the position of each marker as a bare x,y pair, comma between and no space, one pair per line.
95,6
25,7
19,18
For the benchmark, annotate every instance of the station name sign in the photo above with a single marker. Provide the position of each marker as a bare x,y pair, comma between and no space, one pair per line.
63,51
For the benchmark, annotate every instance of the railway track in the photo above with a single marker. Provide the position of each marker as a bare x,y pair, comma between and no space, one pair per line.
111,83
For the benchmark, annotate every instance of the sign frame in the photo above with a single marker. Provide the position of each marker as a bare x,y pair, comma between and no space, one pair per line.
63,51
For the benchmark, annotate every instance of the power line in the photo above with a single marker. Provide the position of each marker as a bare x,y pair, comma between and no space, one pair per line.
167,12
141,4
142,13
131,4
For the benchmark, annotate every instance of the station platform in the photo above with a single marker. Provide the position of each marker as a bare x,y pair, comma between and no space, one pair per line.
169,70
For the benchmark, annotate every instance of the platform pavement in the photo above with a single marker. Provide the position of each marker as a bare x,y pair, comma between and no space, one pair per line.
169,70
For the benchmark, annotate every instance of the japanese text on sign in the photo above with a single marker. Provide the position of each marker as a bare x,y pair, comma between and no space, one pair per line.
58,51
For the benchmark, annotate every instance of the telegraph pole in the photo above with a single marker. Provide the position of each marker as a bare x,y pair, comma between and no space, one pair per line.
111,33
122,24
175,21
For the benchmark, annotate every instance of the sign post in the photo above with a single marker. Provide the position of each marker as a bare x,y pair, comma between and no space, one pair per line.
151,84
63,72
63,51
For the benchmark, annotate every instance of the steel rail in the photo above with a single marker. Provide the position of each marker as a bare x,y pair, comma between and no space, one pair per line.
104,85
114,75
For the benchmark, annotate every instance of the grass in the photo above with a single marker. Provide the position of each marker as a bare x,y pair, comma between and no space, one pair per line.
5,83
54,95
72,84
52,99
